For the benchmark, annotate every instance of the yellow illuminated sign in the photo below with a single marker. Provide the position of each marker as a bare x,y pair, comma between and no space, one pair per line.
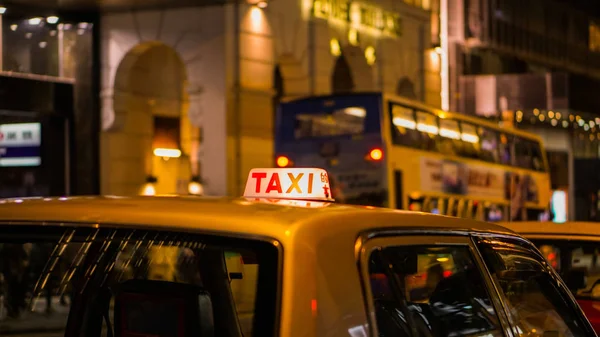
359,14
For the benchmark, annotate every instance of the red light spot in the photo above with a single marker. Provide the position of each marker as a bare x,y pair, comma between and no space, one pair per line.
313,306
447,273
283,161
551,256
376,154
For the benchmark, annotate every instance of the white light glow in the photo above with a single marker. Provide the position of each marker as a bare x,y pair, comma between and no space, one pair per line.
470,138
427,128
405,123
195,188
356,112
449,133
34,21
167,153
14,27
148,189
52,19
2,9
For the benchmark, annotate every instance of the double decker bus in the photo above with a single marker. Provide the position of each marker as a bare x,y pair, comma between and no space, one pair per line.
388,151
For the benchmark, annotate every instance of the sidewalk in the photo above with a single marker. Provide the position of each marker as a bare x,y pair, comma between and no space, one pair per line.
37,320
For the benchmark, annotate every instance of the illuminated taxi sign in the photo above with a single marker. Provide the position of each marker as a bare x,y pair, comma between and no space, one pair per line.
292,203
289,183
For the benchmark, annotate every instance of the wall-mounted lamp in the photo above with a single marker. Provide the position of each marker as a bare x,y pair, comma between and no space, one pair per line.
2,9
195,186
149,188
335,48
167,153
370,55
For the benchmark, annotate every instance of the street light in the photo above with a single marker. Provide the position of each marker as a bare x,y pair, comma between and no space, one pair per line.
195,186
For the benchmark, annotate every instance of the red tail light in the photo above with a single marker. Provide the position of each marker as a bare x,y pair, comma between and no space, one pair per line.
376,154
283,161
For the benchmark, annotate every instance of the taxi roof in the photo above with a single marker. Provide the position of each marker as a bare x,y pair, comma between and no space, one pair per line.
569,228
225,215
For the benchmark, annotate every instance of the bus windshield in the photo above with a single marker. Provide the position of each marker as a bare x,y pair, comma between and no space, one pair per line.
326,118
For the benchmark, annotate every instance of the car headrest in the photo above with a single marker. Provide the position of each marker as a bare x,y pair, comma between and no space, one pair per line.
160,308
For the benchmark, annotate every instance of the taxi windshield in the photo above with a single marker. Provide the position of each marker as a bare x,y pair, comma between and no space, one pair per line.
76,281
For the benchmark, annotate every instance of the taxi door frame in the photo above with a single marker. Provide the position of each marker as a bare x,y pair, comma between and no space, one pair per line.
369,242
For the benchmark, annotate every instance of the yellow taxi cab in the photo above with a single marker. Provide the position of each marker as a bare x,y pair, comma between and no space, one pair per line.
573,249
284,260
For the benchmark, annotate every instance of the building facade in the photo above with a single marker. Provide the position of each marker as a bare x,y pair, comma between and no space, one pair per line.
188,94
535,65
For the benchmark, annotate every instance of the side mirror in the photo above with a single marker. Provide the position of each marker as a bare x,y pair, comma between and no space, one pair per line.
576,279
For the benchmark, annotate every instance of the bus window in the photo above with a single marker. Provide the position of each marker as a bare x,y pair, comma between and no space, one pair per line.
428,125
404,126
470,148
449,140
489,145
529,154
522,156
537,157
505,149
346,121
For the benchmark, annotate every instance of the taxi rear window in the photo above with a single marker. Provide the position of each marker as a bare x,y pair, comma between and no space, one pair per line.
121,282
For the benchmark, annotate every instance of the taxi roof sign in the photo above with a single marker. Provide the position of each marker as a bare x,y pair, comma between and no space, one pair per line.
289,183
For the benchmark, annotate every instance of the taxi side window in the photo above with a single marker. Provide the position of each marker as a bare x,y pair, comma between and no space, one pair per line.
537,303
430,291
116,282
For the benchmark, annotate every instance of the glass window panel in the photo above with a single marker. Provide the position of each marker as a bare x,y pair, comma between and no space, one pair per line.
537,304
440,293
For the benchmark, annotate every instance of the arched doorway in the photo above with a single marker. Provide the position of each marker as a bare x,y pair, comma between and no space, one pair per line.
406,88
150,88
342,80
279,88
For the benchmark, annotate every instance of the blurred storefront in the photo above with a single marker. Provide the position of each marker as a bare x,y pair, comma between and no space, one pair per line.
48,110
188,94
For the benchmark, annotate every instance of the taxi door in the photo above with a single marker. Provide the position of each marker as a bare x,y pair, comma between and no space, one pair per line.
437,282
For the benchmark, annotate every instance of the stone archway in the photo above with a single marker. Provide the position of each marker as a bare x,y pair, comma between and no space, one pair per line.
406,88
150,89
342,80
351,72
